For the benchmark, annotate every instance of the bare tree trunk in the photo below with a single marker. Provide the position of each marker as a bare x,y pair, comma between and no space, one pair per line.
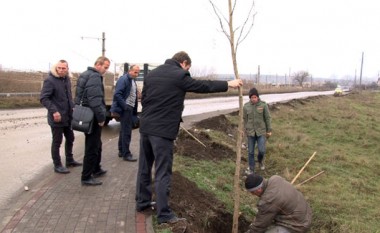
243,32
235,223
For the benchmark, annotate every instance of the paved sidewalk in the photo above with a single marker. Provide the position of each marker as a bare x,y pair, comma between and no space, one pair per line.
59,203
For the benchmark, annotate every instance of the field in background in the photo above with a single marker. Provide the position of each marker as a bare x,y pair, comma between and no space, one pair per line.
30,85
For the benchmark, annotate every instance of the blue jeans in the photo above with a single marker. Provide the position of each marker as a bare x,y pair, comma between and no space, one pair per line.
251,149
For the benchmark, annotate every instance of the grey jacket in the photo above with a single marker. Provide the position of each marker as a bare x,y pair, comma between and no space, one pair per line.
282,204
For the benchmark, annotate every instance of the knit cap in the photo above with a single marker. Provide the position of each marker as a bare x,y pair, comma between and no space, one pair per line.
253,182
252,92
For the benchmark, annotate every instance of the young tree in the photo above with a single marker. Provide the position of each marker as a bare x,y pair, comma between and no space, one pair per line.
241,32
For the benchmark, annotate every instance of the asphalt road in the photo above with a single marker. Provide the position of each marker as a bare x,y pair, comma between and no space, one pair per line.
25,138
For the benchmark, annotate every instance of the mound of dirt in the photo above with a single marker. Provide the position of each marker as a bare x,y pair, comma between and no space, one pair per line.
220,123
203,211
186,145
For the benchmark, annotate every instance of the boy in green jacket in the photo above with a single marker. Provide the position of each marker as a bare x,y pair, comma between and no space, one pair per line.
257,125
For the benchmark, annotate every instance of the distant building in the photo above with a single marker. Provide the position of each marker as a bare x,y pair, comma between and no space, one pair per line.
378,81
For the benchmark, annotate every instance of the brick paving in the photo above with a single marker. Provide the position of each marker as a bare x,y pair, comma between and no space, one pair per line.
61,204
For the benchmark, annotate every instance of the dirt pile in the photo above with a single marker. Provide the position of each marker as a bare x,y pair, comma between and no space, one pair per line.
203,211
186,145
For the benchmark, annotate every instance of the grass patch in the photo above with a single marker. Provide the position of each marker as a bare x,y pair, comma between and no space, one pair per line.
17,102
345,133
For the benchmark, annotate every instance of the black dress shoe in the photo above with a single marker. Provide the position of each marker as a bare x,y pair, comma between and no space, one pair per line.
62,170
73,164
129,158
91,182
120,155
152,205
99,173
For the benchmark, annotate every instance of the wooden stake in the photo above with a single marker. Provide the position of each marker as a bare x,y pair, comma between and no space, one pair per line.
299,173
320,173
196,139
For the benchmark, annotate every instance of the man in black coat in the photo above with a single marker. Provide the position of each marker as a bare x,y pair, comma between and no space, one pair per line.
90,91
163,98
57,98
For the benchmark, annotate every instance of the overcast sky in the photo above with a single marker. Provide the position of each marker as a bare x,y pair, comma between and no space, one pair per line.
324,37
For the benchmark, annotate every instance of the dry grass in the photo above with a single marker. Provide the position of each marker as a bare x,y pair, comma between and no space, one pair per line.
345,133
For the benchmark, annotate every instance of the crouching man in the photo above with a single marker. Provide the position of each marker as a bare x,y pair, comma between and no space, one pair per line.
281,207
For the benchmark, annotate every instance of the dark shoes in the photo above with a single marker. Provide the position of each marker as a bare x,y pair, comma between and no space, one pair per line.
152,205
174,220
99,173
129,158
62,170
120,155
116,116
73,163
91,182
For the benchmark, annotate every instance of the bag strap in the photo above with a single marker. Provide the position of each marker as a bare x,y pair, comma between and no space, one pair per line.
84,92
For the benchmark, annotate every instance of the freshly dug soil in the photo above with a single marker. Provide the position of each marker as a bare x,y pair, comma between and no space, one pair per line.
204,213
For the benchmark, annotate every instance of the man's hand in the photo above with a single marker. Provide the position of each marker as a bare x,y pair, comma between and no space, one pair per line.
268,134
101,124
57,117
235,83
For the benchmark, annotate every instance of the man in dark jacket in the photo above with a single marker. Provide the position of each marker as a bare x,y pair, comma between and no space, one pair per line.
281,207
90,91
163,97
56,97
124,104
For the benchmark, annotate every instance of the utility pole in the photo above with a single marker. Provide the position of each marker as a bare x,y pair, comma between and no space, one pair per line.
103,44
285,80
103,38
361,72
258,75
276,79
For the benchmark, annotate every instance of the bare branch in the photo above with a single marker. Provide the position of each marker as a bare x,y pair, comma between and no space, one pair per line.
243,35
233,8
219,14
